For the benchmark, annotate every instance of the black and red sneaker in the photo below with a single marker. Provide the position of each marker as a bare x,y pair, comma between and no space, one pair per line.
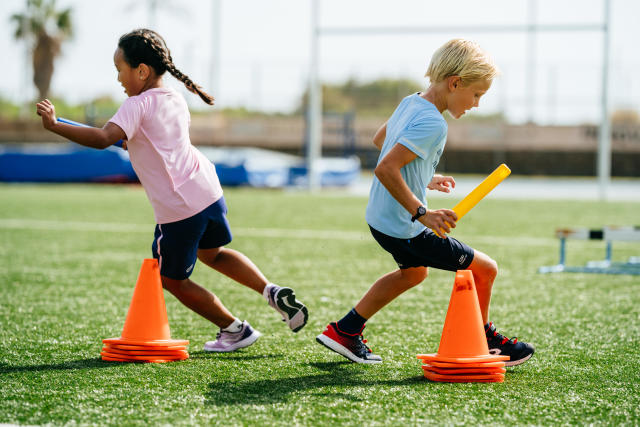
351,346
518,351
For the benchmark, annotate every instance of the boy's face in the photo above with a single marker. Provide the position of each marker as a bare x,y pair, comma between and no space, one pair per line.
464,97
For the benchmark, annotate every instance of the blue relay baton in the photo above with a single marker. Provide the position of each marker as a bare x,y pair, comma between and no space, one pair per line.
71,122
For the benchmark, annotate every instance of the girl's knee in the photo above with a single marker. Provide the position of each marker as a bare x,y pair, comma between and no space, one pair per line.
172,285
208,256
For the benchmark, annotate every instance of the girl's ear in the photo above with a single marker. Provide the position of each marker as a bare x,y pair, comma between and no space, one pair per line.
144,71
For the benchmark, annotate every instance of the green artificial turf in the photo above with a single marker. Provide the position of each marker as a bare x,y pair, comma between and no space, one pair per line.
70,256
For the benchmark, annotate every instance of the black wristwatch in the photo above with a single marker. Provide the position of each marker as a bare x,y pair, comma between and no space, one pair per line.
421,211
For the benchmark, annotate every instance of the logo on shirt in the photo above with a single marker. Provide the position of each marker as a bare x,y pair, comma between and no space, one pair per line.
462,259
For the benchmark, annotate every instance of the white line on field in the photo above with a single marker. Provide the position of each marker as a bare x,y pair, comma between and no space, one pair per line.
278,233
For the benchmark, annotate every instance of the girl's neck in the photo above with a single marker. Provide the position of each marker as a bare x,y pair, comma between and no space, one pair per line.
152,83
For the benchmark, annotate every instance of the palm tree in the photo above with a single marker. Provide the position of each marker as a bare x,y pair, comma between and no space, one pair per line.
45,28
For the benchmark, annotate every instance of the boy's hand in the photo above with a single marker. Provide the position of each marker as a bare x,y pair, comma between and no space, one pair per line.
47,111
440,221
442,183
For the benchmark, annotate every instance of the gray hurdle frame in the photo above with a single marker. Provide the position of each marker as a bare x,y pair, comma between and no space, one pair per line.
605,266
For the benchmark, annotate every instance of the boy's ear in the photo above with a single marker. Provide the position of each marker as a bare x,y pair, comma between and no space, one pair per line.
453,82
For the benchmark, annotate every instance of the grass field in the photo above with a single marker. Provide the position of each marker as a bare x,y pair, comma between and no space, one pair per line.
70,255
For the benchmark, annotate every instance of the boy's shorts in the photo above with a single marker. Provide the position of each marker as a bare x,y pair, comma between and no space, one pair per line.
426,250
176,244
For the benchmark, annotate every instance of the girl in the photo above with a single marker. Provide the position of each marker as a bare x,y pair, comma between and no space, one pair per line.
182,186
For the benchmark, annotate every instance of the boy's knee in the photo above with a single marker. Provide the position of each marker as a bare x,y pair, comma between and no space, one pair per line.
484,266
414,276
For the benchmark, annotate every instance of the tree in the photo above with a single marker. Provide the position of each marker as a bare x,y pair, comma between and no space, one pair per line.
45,28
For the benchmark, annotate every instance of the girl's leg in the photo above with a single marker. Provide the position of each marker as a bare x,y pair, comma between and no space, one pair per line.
234,265
484,271
387,288
200,300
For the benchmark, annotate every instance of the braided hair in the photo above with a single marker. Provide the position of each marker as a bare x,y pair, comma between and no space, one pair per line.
143,46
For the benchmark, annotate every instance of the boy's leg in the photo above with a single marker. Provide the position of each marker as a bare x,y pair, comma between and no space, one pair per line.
389,287
346,339
484,271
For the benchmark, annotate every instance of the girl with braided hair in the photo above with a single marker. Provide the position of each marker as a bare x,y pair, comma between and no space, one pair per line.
182,186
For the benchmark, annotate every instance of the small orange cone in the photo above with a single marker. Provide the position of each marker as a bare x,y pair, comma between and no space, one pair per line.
146,327
463,344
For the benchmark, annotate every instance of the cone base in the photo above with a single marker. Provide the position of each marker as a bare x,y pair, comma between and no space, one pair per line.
167,353
119,359
466,365
463,370
142,358
146,347
492,378
476,359
149,343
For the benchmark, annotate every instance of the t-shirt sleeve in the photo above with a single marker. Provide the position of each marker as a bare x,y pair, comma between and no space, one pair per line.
129,116
421,137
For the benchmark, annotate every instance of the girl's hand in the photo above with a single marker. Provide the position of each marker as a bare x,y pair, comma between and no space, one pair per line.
440,221
442,183
47,111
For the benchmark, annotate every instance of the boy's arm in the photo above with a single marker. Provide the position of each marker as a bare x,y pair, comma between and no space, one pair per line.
381,134
87,136
442,183
388,172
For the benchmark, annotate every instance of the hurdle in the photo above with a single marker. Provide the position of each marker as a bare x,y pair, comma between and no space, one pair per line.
608,234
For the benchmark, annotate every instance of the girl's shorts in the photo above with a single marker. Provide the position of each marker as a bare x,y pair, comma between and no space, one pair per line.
176,244
426,250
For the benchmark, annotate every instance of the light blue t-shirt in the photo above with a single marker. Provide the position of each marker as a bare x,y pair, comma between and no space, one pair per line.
418,125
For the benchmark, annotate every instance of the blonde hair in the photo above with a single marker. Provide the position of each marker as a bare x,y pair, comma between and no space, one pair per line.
463,58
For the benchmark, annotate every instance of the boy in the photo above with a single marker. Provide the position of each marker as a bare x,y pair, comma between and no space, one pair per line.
411,143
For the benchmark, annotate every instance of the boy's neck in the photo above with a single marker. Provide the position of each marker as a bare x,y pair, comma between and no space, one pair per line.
436,94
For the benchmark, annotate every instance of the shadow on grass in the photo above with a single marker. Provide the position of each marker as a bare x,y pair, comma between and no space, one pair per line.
236,355
93,363
274,390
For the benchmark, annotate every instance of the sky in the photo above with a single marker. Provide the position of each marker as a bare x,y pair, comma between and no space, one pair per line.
264,50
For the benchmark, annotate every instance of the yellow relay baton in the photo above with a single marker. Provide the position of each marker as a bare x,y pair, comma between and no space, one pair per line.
478,193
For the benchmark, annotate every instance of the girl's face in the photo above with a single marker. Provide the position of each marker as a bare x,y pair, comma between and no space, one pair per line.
465,97
131,79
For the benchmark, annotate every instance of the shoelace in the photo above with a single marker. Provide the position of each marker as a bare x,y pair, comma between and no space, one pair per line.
364,343
501,337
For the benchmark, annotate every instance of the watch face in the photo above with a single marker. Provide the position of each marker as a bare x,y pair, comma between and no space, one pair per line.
422,210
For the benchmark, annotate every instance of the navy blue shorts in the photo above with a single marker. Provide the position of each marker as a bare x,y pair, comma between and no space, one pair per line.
426,250
176,244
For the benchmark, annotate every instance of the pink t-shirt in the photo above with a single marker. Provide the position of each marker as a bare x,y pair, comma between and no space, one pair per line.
178,179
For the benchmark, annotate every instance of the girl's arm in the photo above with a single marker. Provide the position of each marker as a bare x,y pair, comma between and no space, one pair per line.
88,136
381,134
388,172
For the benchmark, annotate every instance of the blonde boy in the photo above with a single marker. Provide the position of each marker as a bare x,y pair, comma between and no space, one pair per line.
411,143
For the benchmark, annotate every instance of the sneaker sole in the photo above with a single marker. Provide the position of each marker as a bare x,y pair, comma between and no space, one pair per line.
342,350
517,362
295,313
240,344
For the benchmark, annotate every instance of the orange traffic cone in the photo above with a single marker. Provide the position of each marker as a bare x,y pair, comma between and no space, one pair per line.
463,344
146,335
